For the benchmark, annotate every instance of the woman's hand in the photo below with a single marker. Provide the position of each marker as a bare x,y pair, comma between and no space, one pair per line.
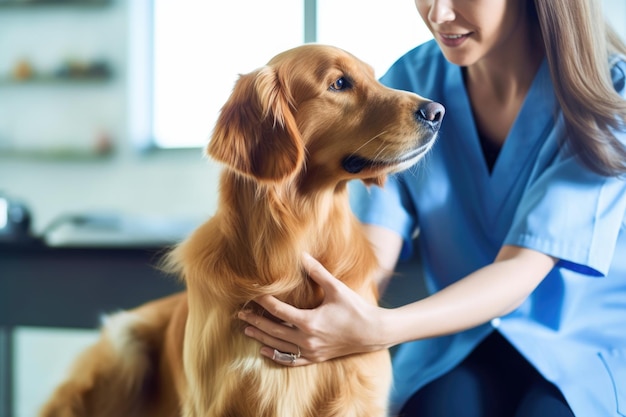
343,324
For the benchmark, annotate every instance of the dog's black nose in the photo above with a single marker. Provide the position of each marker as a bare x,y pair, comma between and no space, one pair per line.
431,114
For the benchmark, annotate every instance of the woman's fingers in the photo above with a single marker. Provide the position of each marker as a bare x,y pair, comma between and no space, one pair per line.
317,272
268,329
288,313
282,347
279,349
282,311
288,338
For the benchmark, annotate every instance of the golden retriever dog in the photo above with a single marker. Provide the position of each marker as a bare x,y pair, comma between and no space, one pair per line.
290,137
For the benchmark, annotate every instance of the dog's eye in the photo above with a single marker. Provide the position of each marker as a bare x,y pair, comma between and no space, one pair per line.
340,84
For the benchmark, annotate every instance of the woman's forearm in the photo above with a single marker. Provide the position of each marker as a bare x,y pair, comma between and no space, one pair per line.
490,292
387,246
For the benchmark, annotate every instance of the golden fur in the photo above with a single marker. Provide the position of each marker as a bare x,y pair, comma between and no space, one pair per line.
291,135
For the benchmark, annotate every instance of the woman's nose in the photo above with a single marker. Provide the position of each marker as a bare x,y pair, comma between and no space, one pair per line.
441,11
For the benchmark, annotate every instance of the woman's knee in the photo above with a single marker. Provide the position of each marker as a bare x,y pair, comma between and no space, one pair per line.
543,399
465,391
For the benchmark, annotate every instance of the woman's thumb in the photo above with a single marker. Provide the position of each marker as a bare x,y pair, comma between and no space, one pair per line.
317,272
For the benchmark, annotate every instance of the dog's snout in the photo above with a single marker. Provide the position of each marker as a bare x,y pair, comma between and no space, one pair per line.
431,114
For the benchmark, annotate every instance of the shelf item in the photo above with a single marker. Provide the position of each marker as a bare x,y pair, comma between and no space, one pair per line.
41,80
69,72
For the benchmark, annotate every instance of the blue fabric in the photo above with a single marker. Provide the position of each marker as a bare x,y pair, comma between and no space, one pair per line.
493,381
537,196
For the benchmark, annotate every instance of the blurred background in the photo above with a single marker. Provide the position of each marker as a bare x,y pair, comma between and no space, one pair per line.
105,106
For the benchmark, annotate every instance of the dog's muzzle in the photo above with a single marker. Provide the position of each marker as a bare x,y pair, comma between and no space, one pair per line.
429,114
355,163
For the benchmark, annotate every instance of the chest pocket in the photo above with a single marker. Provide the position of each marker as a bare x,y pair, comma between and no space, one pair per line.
615,363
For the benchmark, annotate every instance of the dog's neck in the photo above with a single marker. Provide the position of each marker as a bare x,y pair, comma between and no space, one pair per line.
270,226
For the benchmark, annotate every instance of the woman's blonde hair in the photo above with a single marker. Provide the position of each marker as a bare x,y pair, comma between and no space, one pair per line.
578,43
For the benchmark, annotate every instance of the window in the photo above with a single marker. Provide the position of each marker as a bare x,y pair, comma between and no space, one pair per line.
377,31
200,47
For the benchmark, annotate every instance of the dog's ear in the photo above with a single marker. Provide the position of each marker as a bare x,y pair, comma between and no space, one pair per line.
256,133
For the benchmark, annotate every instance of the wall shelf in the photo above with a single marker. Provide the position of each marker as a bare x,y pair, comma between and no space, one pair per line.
61,87
52,81
53,3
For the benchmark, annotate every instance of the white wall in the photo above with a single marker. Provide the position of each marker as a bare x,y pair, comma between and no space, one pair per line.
182,185
615,10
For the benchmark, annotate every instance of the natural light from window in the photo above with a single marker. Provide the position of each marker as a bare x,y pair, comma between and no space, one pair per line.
377,31
200,47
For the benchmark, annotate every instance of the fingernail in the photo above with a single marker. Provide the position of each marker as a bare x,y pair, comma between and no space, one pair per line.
267,352
248,331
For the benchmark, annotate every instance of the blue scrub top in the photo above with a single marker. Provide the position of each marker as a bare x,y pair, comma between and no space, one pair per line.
573,326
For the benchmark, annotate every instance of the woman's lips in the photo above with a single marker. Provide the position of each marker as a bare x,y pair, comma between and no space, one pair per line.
452,40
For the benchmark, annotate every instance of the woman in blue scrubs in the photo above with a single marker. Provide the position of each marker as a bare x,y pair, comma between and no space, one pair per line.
520,207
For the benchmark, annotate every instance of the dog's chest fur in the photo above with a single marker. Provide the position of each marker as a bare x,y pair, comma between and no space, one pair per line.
251,247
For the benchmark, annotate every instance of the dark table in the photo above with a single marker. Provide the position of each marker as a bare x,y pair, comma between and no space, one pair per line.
70,287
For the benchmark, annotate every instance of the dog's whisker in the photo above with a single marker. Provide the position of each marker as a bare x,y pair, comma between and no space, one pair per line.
367,142
381,148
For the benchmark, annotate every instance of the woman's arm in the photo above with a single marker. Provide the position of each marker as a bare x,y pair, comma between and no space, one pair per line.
387,246
493,291
344,323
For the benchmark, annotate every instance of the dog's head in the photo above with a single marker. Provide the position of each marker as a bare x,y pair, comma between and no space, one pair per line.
318,113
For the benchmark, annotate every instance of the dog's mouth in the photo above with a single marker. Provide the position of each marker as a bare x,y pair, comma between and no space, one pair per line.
356,163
